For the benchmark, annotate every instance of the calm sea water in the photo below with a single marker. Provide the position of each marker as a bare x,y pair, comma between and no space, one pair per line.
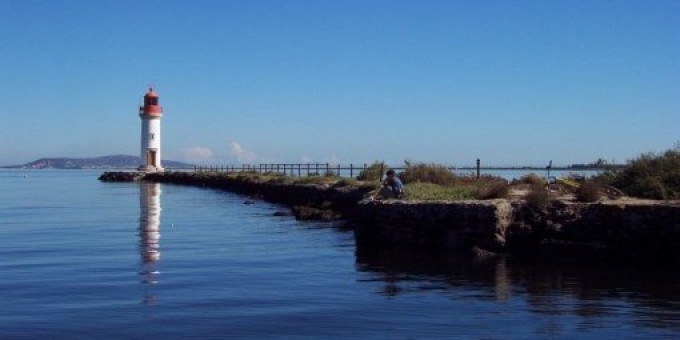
80,259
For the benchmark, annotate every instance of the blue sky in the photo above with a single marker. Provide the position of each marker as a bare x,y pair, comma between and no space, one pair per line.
510,82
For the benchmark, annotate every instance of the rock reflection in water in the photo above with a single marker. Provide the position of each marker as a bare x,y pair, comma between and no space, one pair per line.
589,291
149,230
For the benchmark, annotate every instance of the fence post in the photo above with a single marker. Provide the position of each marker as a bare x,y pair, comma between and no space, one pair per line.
299,169
338,170
327,168
307,169
351,170
478,168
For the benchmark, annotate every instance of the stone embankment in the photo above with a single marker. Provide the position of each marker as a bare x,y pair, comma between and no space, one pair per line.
121,176
309,201
624,229
630,229
434,224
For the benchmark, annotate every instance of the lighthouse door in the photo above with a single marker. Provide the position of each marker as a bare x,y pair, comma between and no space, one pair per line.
151,158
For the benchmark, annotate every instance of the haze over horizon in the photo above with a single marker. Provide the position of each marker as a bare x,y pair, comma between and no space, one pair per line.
511,83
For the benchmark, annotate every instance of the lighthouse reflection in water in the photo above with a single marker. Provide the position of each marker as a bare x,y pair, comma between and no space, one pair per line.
149,230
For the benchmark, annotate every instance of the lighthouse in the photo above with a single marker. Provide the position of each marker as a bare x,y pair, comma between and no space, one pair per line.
151,114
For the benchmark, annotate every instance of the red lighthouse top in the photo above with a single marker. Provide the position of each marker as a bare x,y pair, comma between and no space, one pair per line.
151,107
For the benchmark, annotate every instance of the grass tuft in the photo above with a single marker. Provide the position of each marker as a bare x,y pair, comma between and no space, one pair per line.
538,199
497,189
589,191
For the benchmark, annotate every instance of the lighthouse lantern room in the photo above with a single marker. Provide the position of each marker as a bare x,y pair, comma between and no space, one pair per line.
151,114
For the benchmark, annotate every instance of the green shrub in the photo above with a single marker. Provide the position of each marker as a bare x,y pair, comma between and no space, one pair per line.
497,189
589,191
428,173
651,176
372,172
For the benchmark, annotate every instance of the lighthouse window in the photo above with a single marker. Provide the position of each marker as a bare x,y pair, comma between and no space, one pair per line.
152,135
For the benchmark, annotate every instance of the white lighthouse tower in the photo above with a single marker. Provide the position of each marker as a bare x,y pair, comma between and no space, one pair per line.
151,114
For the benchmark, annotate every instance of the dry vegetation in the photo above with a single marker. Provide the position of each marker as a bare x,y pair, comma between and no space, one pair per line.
372,173
436,182
589,191
538,199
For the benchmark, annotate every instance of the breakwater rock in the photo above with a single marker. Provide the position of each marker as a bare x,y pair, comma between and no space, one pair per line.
625,229
121,176
309,201
439,224
634,230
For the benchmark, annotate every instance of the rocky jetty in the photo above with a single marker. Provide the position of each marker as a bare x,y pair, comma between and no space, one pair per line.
438,224
311,201
630,230
625,229
121,176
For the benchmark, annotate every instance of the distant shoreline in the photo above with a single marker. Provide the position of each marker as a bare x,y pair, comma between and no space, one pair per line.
119,162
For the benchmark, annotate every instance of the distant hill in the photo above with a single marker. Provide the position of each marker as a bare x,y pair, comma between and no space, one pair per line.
104,162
